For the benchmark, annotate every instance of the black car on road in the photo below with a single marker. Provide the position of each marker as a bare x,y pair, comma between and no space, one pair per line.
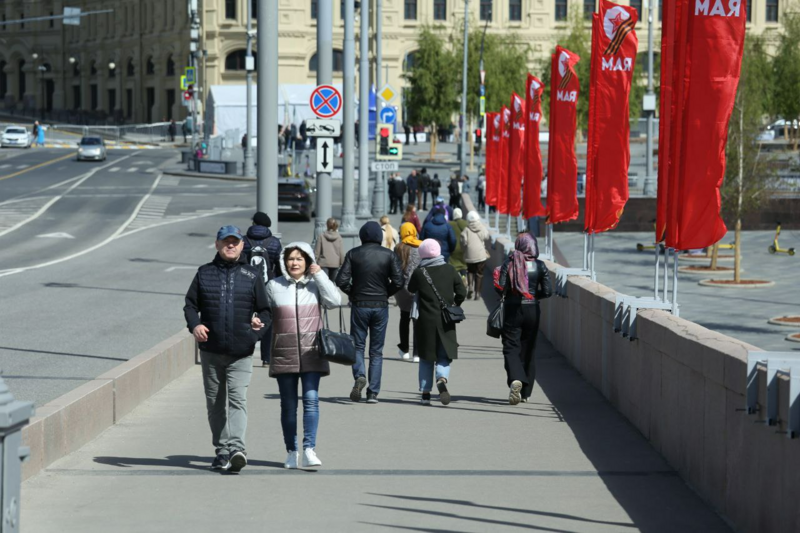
296,197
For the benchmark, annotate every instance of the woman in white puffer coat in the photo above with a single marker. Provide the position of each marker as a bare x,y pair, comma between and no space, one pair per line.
296,299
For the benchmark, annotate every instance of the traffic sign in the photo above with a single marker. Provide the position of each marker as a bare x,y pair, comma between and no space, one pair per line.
324,154
191,74
187,95
384,166
483,105
184,83
325,101
321,127
388,115
387,93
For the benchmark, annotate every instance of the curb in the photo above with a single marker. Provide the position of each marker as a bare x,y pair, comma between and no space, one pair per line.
776,322
225,177
793,337
67,423
685,270
707,283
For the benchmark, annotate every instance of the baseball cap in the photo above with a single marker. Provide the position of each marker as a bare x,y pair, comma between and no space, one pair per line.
229,231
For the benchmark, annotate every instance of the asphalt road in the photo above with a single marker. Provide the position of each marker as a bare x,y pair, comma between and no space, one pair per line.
97,258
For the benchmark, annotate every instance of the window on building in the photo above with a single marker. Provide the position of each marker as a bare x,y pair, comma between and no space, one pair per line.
76,97
637,5
93,68
76,69
21,80
439,9
410,62
341,9
151,66
515,10
486,10
93,96
112,72
337,66
561,10
254,9
230,9
410,9
314,8
660,8
52,22
236,60
588,9
749,12
130,70
170,66
772,11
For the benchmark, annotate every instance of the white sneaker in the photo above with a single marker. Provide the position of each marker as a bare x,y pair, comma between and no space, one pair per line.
291,460
310,458
416,359
405,356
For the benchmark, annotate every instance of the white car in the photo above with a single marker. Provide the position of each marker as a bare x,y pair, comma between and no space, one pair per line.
91,149
16,136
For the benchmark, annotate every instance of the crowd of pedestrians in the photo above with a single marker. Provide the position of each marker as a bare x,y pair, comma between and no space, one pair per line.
257,289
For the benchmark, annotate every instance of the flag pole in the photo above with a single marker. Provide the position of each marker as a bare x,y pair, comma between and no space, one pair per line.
666,273
592,257
586,251
675,308
656,296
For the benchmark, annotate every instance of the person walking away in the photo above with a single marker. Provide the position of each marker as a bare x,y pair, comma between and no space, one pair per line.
185,131
524,281
410,215
40,135
439,205
398,186
262,250
438,343
453,189
225,309
435,186
412,184
473,241
424,189
329,249
172,129
296,299
408,253
390,235
457,255
36,132
369,276
481,189
407,131
437,228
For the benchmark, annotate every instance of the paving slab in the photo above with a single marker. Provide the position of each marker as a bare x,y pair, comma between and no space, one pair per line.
565,462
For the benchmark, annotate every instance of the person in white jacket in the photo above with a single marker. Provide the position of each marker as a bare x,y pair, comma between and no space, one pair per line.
296,299
473,240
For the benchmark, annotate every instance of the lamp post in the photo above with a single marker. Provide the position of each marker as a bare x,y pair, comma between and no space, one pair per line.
483,95
463,167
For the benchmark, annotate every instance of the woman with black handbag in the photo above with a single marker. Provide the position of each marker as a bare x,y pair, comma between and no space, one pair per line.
523,281
440,292
296,299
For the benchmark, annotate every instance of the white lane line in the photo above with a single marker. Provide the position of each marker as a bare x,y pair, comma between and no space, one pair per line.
115,169
5,166
113,236
132,169
22,166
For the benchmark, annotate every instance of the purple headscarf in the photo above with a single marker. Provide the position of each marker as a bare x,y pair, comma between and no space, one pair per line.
526,249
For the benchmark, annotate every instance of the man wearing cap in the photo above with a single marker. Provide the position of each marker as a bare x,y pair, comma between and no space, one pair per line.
369,276
226,309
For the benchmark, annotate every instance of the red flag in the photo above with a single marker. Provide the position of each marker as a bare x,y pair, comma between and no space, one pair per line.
532,205
562,164
492,146
707,60
614,47
516,155
502,153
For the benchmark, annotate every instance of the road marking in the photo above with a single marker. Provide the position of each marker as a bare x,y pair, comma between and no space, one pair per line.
22,166
132,169
5,166
37,166
115,169
56,236
173,268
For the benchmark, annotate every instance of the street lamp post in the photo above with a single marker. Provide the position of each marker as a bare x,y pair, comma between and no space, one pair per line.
464,93
483,95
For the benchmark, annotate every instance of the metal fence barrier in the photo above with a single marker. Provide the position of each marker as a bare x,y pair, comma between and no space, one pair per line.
775,363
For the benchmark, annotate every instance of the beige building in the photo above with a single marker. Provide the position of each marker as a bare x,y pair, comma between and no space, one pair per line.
126,65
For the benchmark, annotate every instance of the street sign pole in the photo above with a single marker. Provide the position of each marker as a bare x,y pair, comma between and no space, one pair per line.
363,210
324,205
348,79
463,166
267,182
249,167
379,202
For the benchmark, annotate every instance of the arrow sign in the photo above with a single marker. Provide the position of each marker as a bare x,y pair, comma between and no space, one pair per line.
56,236
324,154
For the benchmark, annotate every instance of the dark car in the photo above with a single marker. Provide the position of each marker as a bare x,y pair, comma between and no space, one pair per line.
295,197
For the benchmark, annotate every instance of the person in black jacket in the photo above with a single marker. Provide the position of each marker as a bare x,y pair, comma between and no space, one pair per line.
523,280
424,188
226,308
412,184
369,276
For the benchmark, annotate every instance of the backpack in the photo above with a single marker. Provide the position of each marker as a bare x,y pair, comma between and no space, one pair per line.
258,257
436,184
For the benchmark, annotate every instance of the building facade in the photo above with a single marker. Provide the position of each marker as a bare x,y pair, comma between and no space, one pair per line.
125,66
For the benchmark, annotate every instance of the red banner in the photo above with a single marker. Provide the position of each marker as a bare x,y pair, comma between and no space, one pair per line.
532,204
706,59
562,164
502,182
516,155
614,47
492,146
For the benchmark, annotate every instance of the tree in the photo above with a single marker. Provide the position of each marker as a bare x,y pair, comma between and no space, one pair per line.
432,96
786,72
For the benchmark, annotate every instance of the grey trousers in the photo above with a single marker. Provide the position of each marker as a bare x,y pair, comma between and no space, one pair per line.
225,380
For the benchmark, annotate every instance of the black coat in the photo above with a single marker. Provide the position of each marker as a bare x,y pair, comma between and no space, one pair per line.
430,326
538,283
223,297
370,274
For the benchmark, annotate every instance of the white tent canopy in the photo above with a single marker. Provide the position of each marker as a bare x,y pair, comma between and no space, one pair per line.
226,106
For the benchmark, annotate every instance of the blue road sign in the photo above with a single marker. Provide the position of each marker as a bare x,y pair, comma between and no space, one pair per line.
388,115
325,101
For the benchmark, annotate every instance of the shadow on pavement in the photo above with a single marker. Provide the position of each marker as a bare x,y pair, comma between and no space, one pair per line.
192,462
56,285
45,352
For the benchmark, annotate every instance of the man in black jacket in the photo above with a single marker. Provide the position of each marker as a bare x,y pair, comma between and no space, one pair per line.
226,306
369,276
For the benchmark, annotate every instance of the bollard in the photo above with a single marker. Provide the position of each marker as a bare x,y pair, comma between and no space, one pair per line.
13,416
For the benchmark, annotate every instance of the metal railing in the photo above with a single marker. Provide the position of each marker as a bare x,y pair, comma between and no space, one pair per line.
140,133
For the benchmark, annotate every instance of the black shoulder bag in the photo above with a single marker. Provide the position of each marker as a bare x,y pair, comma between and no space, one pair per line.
336,347
451,314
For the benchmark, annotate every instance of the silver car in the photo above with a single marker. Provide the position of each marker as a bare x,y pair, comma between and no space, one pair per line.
91,149
16,136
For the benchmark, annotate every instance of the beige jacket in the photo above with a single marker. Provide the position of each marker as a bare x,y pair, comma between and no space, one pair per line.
329,250
473,242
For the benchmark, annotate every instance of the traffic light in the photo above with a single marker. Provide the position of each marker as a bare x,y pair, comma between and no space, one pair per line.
478,137
388,150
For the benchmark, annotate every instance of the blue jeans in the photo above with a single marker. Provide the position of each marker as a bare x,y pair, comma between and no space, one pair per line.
372,320
266,344
426,369
287,384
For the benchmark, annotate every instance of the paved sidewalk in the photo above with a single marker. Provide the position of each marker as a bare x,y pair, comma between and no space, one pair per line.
565,462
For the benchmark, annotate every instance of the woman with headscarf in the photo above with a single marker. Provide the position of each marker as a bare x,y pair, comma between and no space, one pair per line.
438,344
408,252
523,281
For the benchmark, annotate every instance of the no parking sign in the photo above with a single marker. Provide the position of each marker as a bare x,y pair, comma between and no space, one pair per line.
325,101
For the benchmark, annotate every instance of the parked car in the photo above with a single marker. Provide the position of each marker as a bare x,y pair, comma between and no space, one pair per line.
775,130
91,149
16,136
296,197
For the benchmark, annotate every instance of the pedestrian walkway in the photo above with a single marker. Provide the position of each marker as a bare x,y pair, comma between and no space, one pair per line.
565,462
